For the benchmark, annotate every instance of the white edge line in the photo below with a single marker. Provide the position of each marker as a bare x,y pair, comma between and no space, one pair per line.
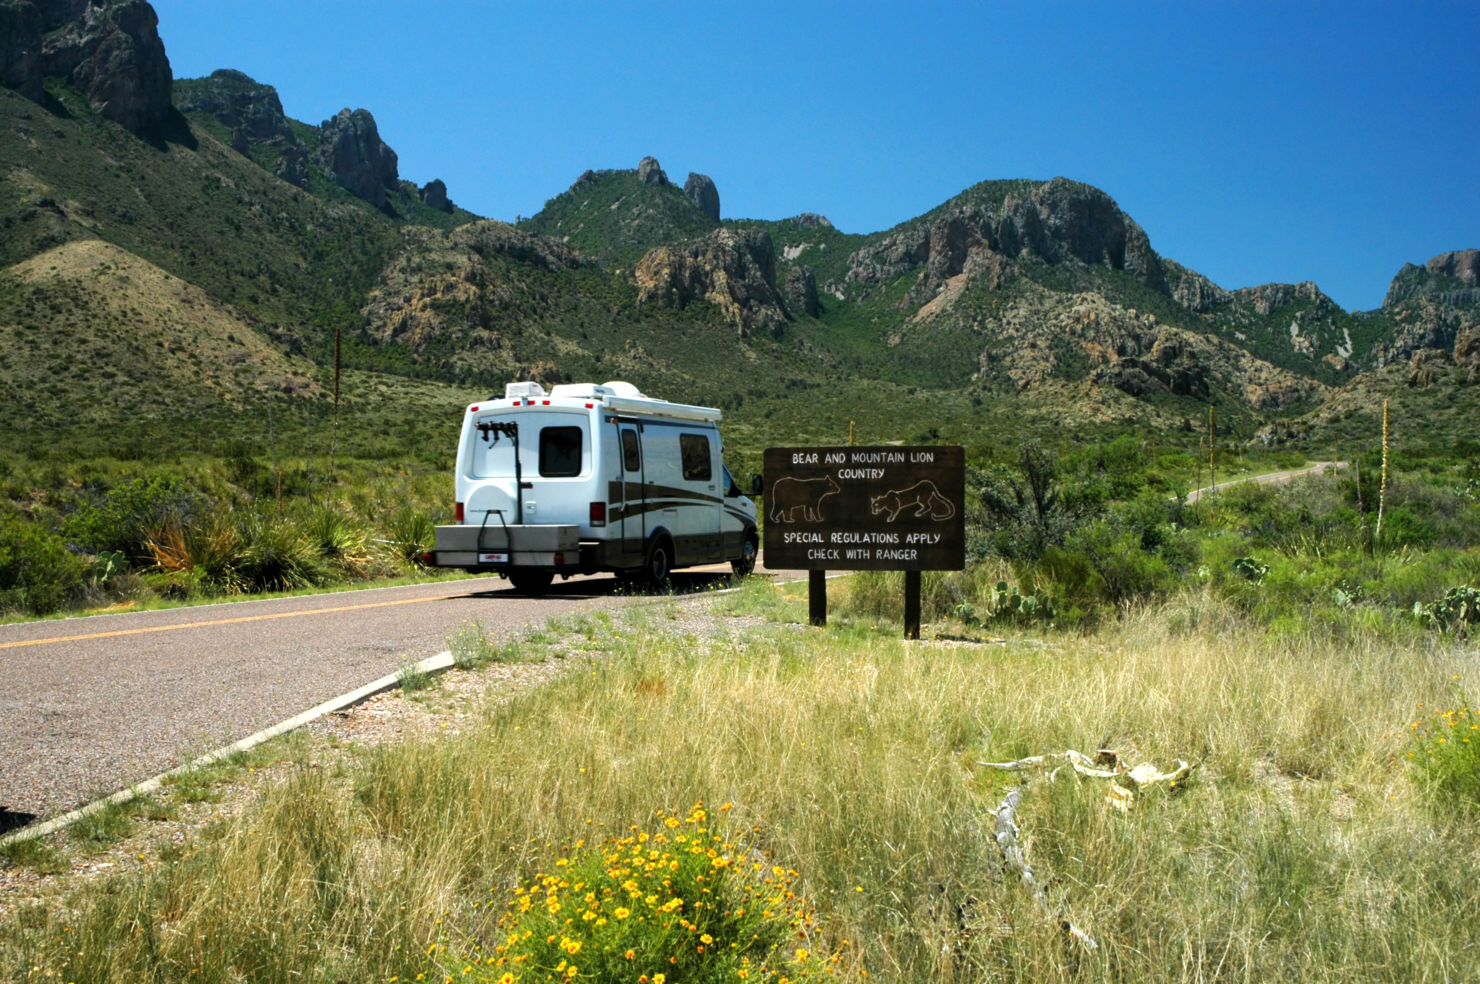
431,665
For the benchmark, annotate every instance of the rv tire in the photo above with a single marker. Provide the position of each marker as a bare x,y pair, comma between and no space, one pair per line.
659,562
745,563
532,583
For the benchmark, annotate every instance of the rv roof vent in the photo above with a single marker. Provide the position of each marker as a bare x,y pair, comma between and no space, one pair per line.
524,390
619,388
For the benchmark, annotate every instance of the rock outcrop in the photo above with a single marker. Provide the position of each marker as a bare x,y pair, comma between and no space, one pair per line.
1434,307
292,166
1195,292
1060,221
355,157
648,172
434,195
810,220
735,270
252,112
111,51
701,191
239,103
466,285
1463,265
800,289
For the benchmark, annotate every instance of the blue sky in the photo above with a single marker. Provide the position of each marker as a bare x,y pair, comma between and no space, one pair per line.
1254,142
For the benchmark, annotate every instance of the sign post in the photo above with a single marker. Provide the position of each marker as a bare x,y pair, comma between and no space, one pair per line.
867,509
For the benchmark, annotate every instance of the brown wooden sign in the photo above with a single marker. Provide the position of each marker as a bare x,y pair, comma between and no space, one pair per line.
866,509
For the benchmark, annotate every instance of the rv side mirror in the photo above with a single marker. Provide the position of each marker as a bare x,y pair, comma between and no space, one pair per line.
756,485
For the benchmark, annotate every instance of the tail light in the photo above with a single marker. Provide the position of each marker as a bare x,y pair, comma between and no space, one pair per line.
598,514
457,509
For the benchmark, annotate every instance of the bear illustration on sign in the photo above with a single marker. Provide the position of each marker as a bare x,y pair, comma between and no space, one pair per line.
790,496
923,497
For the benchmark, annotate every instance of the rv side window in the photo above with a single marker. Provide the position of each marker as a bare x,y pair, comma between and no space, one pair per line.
560,452
631,454
695,451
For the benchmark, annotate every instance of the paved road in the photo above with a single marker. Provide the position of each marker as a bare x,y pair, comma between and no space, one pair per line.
92,705
1272,478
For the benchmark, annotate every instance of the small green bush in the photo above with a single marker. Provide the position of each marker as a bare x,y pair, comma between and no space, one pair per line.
38,573
123,518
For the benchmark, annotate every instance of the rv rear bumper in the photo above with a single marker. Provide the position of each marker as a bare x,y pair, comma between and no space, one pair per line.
498,548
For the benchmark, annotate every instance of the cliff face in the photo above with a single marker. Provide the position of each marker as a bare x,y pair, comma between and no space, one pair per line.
1435,311
355,157
111,51
735,270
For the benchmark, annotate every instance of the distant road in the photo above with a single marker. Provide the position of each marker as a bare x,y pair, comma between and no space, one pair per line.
92,705
1273,478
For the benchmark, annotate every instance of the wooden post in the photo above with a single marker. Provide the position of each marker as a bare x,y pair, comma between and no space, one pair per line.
912,604
1382,489
817,597
1212,455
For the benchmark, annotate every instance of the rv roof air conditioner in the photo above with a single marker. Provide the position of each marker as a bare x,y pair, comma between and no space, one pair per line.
523,391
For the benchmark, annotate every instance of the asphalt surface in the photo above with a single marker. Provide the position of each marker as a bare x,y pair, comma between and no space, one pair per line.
89,706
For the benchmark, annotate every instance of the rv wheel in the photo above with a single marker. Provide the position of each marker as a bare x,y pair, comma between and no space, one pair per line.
659,562
532,583
745,563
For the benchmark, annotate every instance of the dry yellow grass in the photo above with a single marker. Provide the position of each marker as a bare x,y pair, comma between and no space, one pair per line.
1296,850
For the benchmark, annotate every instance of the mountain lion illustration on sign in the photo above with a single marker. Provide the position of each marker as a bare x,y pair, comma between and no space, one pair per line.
792,495
923,497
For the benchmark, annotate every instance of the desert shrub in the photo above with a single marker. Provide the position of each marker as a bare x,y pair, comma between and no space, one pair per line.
1402,527
38,574
123,518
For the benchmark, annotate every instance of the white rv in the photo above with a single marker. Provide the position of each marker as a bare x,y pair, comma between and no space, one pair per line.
589,478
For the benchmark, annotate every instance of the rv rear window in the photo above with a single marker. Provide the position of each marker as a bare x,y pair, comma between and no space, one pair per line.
695,451
560,452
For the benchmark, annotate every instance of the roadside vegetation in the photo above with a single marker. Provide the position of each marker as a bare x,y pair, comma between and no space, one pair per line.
835,785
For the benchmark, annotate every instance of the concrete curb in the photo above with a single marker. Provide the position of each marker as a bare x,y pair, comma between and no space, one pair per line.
432,665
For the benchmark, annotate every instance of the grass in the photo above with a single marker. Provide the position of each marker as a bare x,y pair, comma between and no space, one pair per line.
1298,849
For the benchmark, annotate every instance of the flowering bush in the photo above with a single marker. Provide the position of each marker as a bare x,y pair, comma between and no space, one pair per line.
678,904
1446,754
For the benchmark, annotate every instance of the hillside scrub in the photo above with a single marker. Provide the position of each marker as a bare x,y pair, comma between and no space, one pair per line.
1082,535
111,531
1303,846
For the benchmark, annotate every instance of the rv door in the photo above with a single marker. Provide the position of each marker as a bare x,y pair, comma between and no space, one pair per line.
634,492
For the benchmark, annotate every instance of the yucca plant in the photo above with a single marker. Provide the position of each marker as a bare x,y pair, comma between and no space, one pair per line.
343,541
278,555
412,533
189,558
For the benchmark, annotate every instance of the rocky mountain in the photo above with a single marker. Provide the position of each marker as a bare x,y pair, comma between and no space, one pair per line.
109,51
1028,301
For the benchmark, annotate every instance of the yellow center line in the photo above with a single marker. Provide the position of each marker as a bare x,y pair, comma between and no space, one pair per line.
219,621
